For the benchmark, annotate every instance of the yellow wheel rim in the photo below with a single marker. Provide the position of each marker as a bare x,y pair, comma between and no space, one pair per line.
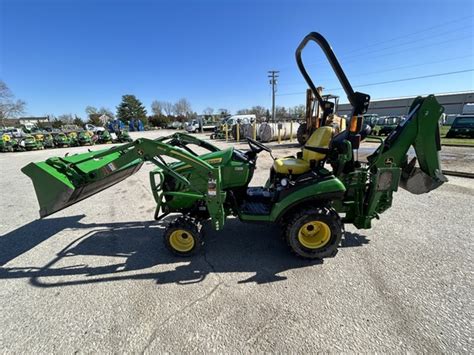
314,234
181,240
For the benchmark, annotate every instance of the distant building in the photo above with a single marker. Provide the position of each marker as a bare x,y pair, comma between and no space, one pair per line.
27,122
453,104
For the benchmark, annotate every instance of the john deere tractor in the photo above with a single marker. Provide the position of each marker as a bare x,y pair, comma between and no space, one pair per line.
85,138
306,194
33,143
61,140
6,144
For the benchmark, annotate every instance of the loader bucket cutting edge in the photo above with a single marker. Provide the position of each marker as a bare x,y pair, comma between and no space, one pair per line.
55,191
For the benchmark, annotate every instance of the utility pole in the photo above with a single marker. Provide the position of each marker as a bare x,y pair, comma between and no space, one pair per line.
273,75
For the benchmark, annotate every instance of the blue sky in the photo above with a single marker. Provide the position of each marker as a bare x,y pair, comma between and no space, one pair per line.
60,56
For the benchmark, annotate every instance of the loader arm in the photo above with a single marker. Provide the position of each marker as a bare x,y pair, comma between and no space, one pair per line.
61,182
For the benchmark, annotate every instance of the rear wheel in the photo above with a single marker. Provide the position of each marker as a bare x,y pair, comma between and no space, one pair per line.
314,233
183,237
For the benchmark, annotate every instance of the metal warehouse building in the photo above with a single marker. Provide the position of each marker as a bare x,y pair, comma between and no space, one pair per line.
452,102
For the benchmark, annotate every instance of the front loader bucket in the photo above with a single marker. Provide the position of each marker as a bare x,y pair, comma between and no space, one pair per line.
61,182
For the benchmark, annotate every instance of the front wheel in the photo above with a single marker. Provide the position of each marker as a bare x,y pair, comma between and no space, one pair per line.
315,233
183,237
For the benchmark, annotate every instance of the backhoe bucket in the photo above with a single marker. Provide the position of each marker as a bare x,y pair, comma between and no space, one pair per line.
417,182
61,182
427,145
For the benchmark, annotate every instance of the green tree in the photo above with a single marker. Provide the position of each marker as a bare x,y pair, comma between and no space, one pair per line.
158,121
131,108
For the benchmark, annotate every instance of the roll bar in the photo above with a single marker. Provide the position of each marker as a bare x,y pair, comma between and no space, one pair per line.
359,101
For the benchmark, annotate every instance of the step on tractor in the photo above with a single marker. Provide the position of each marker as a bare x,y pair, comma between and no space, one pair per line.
311,195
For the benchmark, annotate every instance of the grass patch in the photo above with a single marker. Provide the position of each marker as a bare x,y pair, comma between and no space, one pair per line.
443,130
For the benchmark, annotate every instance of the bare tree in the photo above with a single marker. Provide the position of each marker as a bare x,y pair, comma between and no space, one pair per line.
281,112
157,107
223,112
9,108
299,111
243,111
258,111
66,118
168,108
91,110
208,111
183,107
95,112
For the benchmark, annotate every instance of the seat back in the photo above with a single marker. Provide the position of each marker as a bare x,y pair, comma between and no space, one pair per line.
321,138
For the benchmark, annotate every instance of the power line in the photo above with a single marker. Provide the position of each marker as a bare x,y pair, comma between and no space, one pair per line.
273,75
396,68
392,81
362,56
416,32
364,48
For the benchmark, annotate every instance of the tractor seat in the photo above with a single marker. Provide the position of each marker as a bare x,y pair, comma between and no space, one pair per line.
321,138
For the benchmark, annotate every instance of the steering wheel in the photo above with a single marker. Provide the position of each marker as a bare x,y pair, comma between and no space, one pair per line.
257,147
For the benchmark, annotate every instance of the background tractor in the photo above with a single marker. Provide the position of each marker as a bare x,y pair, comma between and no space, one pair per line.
305,194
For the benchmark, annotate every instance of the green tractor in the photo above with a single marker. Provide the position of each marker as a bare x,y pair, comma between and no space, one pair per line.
6,143
104,137
32,143
48,140
123,136
305,194
61,140
85,138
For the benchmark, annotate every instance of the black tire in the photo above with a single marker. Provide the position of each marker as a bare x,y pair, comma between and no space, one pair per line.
449,135
324,244
183,237
302,134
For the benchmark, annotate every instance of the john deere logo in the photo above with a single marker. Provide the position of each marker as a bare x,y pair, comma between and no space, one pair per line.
388,161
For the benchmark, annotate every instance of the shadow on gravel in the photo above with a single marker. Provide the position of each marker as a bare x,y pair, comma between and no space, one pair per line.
133,250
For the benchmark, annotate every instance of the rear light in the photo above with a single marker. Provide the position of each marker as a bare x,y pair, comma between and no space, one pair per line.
353,125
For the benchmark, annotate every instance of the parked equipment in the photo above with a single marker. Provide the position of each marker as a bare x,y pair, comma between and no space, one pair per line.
314,113
6,144
61,140
123,136
31,143
104,137
48,141
301,195
85,138
462,126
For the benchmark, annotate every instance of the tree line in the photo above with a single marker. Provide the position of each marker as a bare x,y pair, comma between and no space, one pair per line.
130,107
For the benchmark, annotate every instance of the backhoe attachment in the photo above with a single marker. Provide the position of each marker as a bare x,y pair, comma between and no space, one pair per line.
420,130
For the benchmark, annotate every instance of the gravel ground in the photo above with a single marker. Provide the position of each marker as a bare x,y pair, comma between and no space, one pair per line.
95,278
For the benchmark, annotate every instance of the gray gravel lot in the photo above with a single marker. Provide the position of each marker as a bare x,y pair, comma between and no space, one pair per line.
96,277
